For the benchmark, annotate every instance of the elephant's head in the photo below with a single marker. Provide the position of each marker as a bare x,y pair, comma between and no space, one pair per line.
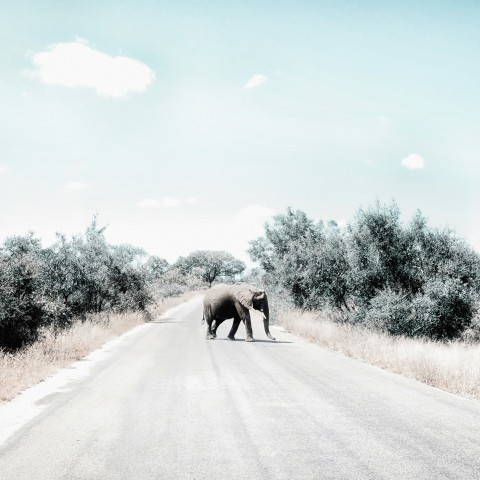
251,297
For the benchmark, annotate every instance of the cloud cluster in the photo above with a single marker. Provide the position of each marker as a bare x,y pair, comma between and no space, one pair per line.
165,202
76,64
413,161
256,81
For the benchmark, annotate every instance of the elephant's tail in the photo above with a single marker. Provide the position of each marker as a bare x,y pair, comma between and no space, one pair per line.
203,319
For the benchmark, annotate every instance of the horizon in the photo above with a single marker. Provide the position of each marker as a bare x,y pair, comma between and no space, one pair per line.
187,127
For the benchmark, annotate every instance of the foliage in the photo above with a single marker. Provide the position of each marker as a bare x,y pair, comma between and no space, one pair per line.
210,265
52,286
174,283
21,292
408,280
84,275
306,259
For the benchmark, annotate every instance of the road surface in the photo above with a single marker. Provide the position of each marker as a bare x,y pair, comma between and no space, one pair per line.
165,403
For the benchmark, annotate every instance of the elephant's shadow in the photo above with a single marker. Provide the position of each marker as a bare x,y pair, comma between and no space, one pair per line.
256,341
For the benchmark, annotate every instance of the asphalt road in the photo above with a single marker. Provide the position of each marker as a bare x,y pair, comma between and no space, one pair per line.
165,403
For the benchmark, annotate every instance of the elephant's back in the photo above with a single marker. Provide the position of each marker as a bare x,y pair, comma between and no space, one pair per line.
218,293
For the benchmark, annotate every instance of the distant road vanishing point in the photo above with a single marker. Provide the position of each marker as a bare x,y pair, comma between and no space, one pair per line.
165,403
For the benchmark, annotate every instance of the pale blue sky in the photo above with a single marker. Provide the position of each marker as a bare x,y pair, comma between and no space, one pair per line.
343,93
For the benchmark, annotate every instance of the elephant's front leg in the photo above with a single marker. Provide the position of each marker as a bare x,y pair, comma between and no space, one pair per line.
248,328
245,316
233,330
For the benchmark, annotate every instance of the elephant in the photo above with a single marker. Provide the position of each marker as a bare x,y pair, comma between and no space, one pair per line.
234,301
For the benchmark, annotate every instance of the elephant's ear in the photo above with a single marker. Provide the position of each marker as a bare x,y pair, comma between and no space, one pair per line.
244,294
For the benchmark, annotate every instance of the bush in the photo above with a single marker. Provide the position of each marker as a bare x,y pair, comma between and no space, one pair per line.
445,310
72,278
21,271
389,312
408,280
174,283
306,259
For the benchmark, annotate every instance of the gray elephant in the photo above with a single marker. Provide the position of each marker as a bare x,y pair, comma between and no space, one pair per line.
234,301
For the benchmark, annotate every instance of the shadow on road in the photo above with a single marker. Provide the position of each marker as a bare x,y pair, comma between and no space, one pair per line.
256,341
172,320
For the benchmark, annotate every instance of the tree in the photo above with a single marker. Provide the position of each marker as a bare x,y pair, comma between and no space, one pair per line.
210,265
89,275
21,269
155,267
378,253
404,279
305,258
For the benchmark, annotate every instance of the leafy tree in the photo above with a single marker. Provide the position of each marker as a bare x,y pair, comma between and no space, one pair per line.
326,274
102,276
405,279
53,286
210,265
21,267
378,253
305,258
155,267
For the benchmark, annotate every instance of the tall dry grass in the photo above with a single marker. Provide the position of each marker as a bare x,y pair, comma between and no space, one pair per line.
53,351
454,367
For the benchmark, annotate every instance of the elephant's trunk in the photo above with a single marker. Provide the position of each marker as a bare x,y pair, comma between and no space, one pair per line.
266,319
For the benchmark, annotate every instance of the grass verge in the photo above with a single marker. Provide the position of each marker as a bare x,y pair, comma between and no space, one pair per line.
454,367
53,351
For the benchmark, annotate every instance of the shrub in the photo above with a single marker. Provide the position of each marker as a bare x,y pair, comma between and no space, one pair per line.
306,259
445,310
72,278
389,312
21,269
408,280
174,283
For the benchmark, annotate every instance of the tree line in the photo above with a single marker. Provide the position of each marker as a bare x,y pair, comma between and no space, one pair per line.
409,279
73,278
403,278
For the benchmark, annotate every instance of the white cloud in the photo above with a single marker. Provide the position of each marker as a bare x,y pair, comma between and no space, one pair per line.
3,169
256,81
76,186
167,202
413,161
190,200
75,64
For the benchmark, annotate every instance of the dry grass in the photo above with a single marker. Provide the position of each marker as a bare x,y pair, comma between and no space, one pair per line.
454,367
34,363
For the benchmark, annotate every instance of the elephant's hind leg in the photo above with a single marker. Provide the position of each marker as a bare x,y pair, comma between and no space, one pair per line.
209,320
217,323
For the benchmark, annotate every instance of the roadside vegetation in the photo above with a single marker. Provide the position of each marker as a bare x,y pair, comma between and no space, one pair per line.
59,303
450,366
403,296
400,295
